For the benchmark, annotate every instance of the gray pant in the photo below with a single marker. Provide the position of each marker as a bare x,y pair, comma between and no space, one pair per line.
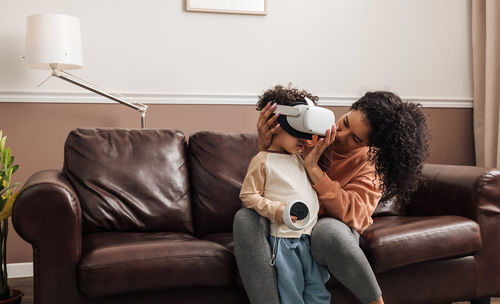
333,244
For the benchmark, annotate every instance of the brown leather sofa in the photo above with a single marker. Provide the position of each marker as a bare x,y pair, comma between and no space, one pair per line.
143,216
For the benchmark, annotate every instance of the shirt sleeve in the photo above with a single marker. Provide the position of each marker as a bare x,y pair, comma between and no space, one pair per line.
252,189
353,204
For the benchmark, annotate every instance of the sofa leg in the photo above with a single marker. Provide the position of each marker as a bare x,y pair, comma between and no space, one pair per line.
481,301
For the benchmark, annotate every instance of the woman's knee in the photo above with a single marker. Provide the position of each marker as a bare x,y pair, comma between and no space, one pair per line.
248,221
330,230
331,235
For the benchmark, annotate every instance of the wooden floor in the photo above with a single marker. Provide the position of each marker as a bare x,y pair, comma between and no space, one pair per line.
26,285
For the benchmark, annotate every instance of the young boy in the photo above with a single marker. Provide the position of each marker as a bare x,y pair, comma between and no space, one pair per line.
276,176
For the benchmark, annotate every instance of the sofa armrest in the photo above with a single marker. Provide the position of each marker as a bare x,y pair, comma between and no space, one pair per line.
449,190
47,215
471,192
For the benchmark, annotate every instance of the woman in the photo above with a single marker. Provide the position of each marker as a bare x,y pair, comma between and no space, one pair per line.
378,149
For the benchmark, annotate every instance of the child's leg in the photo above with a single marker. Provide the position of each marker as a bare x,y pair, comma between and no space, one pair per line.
289,270
315,275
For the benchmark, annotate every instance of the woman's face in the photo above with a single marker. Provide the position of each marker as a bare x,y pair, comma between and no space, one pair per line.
352,131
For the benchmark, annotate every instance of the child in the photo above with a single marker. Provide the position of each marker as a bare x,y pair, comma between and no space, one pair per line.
277,176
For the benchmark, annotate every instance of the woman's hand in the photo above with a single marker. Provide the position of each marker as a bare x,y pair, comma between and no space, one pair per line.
267,127
313,151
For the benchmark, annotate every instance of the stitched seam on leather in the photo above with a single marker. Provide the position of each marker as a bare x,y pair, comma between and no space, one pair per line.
146,261
392,241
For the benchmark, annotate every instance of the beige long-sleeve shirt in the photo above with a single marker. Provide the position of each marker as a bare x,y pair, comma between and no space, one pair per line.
274,178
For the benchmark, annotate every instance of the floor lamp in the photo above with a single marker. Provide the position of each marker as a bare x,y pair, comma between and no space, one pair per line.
53,42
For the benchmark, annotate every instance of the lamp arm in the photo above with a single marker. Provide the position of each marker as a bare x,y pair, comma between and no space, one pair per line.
138,107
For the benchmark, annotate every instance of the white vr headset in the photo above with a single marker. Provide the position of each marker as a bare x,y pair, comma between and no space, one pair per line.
302,119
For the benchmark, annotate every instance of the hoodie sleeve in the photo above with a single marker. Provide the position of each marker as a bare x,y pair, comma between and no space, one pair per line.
353,204
252,189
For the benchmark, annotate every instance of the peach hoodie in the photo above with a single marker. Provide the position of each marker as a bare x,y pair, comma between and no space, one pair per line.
347,191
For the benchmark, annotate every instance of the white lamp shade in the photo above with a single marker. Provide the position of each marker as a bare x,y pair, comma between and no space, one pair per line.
53,39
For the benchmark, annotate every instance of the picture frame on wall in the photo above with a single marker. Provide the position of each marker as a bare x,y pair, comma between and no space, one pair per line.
247,7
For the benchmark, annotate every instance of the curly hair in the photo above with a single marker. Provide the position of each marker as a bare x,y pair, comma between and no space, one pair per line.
399,142
284,96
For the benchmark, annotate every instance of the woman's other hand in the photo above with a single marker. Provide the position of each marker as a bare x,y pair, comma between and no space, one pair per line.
313,151
267,127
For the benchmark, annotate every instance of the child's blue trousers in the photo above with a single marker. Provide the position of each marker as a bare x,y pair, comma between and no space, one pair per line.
300,279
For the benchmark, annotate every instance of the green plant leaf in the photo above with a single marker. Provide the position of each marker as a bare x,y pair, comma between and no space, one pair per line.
2,143
7,208
14,169
7,155
3,201
9,174
7,189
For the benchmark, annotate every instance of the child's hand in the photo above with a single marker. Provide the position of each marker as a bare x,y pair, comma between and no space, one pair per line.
279,215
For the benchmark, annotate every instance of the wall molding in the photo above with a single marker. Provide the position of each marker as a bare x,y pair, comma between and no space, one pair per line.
204,99
20,270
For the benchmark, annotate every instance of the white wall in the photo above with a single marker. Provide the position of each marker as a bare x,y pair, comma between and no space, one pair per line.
417,48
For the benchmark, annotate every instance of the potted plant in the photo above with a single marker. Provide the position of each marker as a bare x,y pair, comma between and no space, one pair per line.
7,198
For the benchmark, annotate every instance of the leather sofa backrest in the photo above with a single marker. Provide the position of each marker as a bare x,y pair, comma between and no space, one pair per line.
130,180
218,165
389,207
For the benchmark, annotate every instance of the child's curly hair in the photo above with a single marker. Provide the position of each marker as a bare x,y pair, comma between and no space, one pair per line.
399,142
285,96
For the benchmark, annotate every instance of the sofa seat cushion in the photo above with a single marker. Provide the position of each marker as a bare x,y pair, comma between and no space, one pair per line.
223,238
122,262
396,241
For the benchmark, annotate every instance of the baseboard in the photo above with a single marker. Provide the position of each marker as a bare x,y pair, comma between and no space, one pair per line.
19,270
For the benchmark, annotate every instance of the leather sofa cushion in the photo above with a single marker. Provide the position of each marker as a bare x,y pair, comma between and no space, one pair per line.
223,238
218,165
395,241
126,262
389,207
130,180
